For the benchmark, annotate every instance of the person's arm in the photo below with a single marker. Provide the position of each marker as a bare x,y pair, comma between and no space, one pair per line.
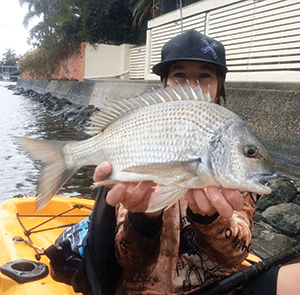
226,240
135,198
137,239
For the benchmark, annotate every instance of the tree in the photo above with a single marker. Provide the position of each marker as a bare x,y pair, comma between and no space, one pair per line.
144,10
102,21
75,21
66,23
9,58
93,21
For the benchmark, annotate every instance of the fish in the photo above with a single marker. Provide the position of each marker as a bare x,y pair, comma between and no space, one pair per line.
174,136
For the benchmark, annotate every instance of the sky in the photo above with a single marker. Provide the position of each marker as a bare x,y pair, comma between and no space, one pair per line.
12,32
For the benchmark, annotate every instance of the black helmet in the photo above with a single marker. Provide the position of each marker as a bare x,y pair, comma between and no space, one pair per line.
191,46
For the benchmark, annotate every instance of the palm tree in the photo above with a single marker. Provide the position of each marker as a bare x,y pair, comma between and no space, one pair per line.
10,57
147,9
39,8
144,10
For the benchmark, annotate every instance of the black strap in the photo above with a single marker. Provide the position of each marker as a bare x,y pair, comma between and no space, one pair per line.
64,262
102,269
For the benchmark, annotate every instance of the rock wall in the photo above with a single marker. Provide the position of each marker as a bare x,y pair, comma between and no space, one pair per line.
76,92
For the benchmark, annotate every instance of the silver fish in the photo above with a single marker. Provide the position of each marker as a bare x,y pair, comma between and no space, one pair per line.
175,137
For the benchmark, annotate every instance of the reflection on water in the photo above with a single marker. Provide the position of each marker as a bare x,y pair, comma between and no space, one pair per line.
20,116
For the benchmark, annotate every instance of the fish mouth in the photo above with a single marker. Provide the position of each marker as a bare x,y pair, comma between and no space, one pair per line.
261,182
268,176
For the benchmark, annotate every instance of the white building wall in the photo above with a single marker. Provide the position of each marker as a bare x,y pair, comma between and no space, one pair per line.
261,37
107,61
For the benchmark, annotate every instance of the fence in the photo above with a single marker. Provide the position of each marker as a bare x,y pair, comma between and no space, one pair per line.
137,60
261,38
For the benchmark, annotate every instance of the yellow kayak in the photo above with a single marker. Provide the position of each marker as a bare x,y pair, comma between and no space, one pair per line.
25,233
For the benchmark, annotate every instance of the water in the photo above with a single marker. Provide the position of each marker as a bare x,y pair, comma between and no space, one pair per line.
20,116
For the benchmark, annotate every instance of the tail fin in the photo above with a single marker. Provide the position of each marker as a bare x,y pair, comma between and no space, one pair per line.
54,172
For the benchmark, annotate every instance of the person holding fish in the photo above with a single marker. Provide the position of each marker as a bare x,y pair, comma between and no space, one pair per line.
184,173
206,234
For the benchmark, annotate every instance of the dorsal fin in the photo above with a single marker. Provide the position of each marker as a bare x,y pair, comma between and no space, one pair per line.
113,110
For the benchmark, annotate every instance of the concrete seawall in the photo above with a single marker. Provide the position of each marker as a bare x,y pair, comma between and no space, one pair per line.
271,110
88,92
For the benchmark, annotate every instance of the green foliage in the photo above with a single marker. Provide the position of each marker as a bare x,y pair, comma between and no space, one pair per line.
94,21
143,10
66,23
75,21
43,61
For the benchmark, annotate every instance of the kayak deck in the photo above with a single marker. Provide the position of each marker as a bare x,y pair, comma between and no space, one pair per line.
24,232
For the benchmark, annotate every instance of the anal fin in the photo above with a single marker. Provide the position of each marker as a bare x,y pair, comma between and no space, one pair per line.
165,197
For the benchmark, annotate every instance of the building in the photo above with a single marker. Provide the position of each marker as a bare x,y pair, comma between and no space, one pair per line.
261,38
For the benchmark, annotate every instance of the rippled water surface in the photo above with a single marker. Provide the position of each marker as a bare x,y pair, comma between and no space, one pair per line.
20,116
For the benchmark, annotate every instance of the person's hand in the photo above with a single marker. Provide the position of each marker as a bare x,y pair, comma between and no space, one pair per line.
212,199
134,196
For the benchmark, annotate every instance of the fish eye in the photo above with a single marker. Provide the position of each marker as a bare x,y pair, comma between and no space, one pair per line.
250,151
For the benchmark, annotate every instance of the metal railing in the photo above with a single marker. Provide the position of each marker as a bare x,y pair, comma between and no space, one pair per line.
9,72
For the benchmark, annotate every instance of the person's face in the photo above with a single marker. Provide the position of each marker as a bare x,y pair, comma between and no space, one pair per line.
195,72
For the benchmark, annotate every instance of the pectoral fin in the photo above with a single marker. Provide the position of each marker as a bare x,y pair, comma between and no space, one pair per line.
108,181
169,169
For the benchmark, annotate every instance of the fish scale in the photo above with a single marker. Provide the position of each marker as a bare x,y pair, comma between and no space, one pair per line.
151,132
175,137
